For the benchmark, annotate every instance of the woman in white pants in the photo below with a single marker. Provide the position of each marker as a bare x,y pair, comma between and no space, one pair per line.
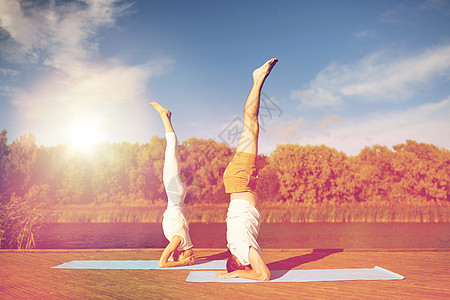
179,251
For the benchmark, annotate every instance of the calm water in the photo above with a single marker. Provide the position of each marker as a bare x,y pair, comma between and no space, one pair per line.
315,235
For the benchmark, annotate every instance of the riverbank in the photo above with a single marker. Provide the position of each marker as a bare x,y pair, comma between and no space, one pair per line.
283,213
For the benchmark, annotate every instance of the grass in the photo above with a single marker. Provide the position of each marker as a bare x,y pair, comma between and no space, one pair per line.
281,213
365,213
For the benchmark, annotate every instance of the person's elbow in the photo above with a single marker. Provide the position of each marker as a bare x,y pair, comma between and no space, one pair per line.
161,264
264,275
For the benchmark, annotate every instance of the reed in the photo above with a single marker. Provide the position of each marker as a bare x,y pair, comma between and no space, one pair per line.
107,214
279,213
20,222
359,212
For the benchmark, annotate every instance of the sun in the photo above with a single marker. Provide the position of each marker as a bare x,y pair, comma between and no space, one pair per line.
84,134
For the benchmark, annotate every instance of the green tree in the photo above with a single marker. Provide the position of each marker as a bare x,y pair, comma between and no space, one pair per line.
4,152
375,176
267,186
49,169
306,174
73,185
19,166
108,181
202,163
424,171
146,178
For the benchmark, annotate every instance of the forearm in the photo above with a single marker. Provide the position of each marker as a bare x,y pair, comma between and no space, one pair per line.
170,264
251,274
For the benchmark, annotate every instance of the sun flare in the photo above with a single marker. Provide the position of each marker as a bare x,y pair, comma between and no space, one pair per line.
84,135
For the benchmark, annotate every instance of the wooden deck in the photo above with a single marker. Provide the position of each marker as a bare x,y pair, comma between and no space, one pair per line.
28,275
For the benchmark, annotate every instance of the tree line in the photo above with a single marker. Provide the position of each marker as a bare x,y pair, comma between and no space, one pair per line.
309,183
131,174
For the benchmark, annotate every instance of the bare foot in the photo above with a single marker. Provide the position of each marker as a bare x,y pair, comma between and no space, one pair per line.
262,72
161,110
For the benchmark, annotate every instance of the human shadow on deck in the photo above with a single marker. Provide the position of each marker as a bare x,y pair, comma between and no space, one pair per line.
283,266
218,256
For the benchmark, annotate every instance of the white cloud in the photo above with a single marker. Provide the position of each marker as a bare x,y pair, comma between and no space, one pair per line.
13,21
8,72
330,121
377,77
56,35
400,14
77,83
442,6
286,132
367,33
89,87
428,123
409,12
316,96
112,93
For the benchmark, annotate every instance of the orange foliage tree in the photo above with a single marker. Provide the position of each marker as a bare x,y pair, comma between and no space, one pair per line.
131,174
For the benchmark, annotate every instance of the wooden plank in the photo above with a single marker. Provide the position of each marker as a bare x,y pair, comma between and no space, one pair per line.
28,274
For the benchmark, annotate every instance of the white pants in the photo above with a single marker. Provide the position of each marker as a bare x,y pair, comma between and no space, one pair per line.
174,222
175,188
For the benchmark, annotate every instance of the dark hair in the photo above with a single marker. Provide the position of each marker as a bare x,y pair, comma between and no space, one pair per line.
234,264
176,255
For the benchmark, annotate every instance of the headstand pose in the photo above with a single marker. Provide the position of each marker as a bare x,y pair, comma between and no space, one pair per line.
243,219
176,229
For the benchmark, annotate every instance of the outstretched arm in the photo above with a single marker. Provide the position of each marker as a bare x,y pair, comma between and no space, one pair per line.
259,269
173,245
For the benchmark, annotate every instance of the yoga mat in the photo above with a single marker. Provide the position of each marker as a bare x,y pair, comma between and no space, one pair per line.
376,273
139,265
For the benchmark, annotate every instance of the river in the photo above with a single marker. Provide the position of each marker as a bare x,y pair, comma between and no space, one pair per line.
272,235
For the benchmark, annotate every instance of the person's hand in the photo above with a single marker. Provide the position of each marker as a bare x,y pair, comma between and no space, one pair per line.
226,275
189,261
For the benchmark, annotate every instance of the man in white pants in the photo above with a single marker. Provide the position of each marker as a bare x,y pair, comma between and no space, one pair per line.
243,219
179,252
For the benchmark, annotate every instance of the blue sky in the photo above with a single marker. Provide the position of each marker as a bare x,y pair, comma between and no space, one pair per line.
350,74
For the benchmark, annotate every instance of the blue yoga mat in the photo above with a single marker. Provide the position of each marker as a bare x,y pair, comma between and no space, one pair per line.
138,265
376,273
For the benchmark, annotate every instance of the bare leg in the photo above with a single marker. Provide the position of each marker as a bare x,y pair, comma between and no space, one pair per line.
248,141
